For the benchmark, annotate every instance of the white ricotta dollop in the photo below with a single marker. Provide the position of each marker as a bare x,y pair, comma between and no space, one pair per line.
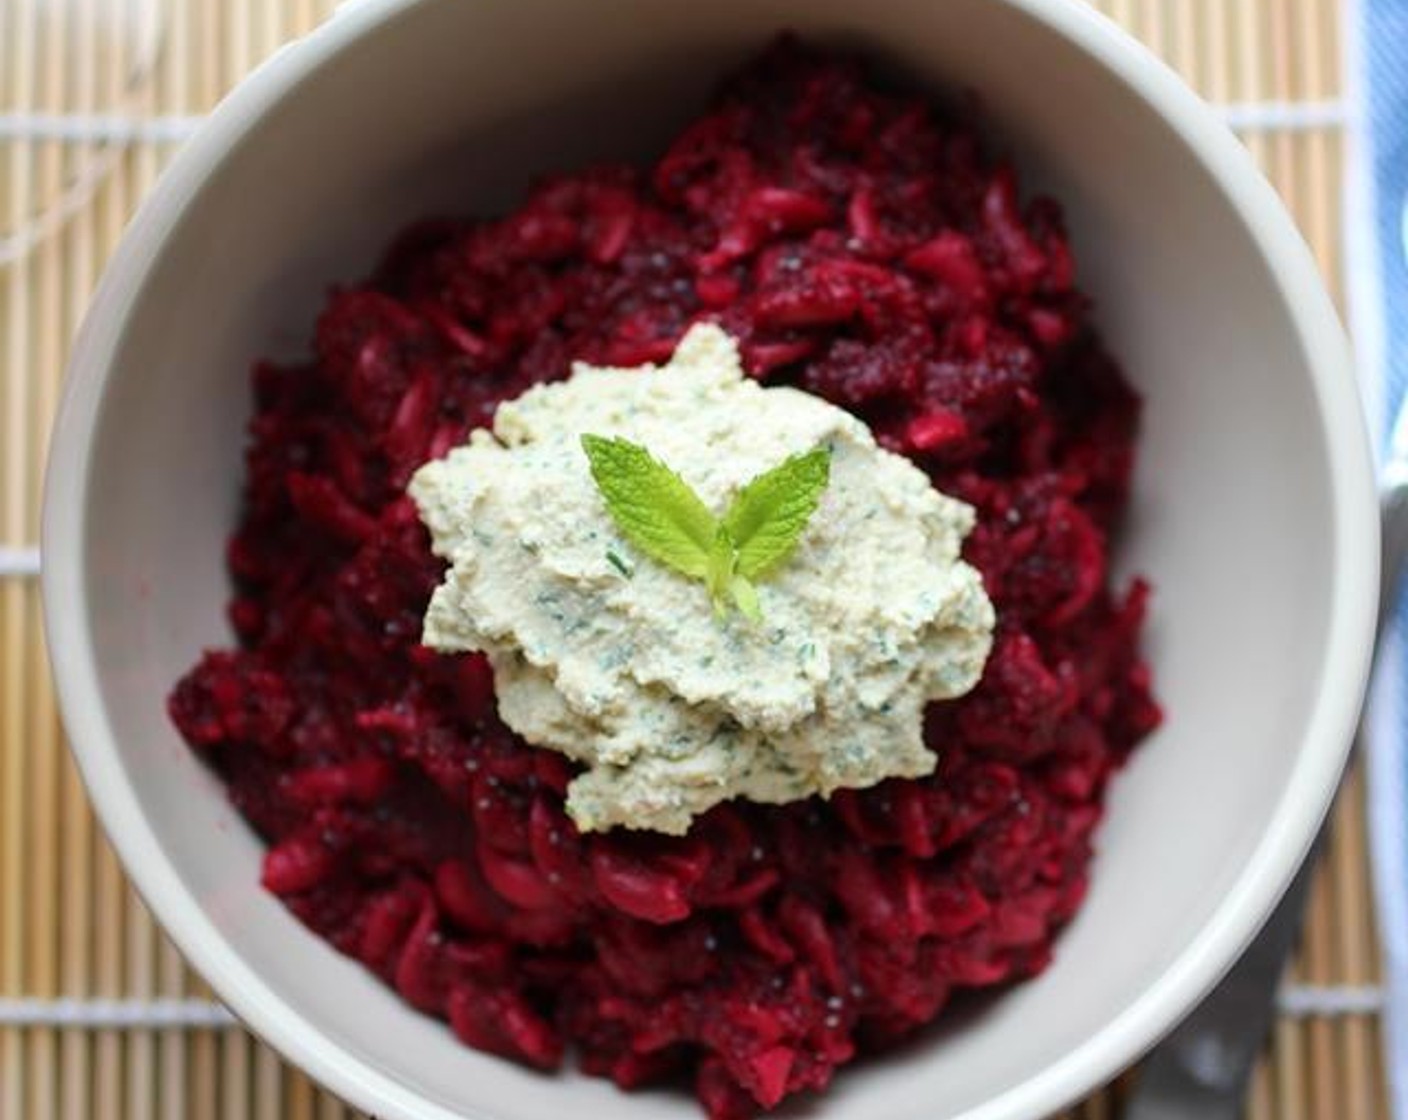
621,664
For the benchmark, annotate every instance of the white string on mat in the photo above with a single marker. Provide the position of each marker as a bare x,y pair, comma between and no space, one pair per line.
1313,1001
117,128
98,128
18,563
142,21
115,1014
1298,1000
1284,116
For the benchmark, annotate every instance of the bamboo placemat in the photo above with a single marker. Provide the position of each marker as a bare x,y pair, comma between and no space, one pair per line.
99,1017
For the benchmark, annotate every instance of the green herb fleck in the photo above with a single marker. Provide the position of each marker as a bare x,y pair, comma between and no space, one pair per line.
659,513
620,563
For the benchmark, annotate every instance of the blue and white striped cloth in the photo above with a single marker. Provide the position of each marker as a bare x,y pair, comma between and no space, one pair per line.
1377,226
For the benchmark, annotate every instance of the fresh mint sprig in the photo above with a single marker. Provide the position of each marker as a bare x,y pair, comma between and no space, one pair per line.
659,513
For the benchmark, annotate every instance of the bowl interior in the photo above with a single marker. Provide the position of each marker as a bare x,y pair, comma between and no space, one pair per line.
457,106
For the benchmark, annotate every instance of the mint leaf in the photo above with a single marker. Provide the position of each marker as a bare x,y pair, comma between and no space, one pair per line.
655,509
768,516
658,512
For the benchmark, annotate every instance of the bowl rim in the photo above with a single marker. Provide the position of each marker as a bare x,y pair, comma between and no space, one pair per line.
1324,743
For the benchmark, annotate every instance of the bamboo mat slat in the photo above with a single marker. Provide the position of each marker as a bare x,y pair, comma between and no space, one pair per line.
72,929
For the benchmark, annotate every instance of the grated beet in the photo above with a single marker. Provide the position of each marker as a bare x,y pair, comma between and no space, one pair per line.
860,246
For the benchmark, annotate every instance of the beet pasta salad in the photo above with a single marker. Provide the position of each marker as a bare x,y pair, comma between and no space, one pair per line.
675,632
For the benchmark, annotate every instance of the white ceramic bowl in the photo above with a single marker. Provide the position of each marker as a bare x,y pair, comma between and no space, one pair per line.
1254,512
